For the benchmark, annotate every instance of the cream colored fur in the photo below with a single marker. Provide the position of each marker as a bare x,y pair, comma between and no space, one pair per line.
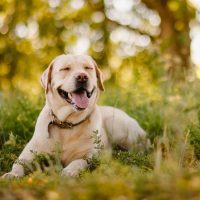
76,144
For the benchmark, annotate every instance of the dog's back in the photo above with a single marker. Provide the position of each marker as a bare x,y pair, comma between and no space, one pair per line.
121,129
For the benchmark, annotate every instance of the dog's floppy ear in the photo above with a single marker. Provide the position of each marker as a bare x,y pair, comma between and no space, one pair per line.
46,77
99,76
99,79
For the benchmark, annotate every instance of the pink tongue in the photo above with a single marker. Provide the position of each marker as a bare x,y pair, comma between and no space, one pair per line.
80,99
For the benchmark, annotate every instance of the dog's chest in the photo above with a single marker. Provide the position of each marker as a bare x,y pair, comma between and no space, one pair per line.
75,143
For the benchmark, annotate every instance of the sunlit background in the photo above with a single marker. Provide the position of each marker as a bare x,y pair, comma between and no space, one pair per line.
126,38
149,52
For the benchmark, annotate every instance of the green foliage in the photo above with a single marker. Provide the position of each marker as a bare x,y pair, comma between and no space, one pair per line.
9,153
195,139
23,113
194,131
134,158
17,120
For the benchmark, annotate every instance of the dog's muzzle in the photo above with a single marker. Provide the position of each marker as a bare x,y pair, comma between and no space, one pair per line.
78,98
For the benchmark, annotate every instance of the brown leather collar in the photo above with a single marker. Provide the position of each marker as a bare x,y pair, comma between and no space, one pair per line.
65,124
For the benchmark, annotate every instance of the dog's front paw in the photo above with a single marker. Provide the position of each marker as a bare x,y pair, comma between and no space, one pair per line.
69,171
10,175
74,168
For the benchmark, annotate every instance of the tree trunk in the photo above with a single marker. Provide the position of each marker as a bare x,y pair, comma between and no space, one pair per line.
175,43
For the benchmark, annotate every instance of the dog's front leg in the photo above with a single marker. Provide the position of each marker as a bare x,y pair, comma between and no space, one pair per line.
40,143
100,141
75,167
26,156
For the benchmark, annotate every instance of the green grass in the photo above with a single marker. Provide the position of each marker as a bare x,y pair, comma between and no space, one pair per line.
170,170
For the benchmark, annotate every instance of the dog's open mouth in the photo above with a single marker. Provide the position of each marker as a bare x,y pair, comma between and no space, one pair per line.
79,98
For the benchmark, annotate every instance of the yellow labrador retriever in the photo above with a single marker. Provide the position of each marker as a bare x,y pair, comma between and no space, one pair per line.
70,116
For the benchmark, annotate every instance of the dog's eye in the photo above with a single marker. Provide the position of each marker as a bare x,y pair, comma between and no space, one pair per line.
86,67
65,69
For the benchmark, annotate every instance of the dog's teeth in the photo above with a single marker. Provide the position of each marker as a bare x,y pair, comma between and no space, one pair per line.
69,95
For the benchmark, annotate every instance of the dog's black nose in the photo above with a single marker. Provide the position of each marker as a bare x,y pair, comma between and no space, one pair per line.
82,78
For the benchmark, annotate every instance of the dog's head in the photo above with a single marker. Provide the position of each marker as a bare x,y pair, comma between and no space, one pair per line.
72,80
